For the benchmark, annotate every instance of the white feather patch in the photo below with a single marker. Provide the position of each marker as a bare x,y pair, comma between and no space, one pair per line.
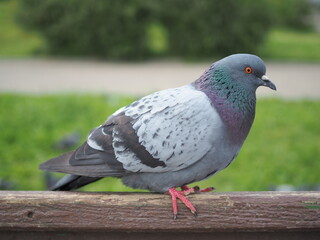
92,143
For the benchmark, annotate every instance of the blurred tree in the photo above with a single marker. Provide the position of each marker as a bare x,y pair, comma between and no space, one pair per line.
292,13
209,28
138,29
113,29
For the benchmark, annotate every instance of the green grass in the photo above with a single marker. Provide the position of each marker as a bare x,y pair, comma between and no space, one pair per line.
283,146
14,41
282,44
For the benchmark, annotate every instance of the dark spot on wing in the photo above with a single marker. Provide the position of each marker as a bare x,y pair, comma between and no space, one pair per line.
156,153
134,104
172,155
124,130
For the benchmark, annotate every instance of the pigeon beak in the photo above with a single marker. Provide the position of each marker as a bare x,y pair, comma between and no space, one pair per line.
267,83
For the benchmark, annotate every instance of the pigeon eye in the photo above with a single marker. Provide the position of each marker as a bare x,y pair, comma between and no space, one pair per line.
248,70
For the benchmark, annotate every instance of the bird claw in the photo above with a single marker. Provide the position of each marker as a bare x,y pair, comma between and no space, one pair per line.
180,194
185,190
196,189
208,189
175,216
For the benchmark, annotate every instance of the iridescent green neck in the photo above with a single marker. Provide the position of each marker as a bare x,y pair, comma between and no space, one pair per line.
234,103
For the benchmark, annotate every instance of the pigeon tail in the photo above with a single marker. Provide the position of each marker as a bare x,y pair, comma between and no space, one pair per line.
85,161
57,164
70,182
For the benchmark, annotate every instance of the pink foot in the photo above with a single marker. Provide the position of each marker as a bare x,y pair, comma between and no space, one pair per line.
187,190
180,194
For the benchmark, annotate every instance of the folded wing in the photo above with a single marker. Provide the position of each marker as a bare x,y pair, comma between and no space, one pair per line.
165,131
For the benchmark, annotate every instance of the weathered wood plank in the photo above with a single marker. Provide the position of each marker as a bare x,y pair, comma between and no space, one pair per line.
145,212
46,235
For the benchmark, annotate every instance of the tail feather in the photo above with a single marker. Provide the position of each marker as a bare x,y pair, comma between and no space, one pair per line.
57,164
70,182
85,161
83,166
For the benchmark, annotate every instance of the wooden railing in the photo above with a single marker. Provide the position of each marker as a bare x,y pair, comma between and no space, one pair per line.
83,215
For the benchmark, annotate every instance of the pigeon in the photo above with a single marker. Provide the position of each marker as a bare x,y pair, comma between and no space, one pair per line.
171,138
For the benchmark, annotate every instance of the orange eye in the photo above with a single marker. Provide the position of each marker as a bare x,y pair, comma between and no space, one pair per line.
248,70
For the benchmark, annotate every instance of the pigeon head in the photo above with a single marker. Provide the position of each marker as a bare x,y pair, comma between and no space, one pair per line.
246,70
231,84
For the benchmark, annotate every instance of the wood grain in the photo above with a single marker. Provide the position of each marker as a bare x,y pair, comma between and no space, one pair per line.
146,212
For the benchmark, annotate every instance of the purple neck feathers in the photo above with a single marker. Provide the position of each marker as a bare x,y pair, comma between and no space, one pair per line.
235,105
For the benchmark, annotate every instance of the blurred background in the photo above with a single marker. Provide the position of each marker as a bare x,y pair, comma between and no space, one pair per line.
66,65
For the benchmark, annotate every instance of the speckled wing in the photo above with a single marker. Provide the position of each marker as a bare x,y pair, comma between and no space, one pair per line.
165,131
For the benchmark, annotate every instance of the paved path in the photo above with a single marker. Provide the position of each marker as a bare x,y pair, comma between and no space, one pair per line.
293,80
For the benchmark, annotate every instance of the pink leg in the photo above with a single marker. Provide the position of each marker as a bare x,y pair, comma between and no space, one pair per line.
174,204
177,194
